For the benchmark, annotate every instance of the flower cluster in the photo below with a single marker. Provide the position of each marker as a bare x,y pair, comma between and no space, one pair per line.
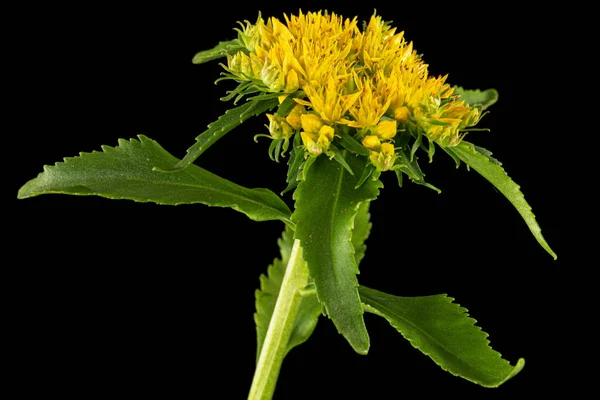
343,77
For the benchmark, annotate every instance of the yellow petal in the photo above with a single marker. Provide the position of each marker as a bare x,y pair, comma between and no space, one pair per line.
292,83
311,123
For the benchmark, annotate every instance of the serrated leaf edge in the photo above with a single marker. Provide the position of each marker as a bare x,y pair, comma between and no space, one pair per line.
525,210
462,312
122,143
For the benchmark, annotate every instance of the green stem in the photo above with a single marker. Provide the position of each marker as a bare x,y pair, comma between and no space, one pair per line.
280,328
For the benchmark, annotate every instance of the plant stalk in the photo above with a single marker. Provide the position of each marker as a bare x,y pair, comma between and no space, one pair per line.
280,328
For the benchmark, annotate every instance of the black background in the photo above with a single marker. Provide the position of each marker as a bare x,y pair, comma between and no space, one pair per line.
116,297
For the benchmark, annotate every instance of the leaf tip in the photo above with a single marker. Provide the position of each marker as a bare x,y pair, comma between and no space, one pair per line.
517,368
23,193
361,347
176,168
362,352
359,341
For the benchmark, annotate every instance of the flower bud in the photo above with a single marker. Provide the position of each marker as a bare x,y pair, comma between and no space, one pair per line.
325,137
295,116
315,135
311,146
471,118
372,142
241,64
401,114
311,122
269,75
384,159
385,129
279,128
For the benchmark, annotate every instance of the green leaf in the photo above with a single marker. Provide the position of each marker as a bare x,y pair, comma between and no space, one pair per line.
455,158
367,173
410,166
295,164
326,206
218,129
476,97
361,231
220,50
443,331
488,154
339,157
306,167
295,160
275,149
352,145
416,145
431,150
266,298
126,172
399,177
241,90
288,104
491,170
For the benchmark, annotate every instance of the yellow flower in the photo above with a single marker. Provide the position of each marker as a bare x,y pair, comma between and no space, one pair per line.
322,44
372,50
370,106
316,136
370,80
329,100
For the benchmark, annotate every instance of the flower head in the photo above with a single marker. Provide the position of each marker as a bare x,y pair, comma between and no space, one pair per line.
371,81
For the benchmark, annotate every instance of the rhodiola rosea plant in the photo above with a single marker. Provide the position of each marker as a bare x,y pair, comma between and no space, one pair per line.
343,102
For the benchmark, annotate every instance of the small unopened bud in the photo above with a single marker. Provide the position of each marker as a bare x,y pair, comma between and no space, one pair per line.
316,142
326,132
294,118
371,142
311,122
472,117
279,128
385,129
384,159
401,114
311,146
